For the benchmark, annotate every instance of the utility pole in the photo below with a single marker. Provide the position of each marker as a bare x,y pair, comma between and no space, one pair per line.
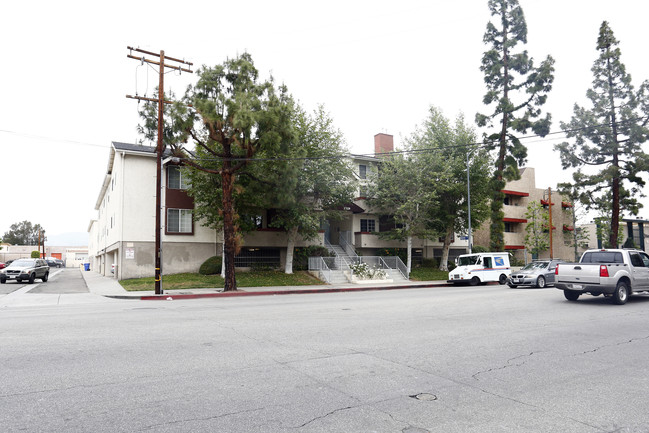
550,212
160,148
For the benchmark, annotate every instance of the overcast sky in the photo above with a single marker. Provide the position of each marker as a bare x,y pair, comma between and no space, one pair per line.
375,65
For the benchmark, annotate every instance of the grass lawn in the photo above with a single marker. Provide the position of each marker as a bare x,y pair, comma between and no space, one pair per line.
244,279
428,274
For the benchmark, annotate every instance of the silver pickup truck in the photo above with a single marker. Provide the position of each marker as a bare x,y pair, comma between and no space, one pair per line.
615,273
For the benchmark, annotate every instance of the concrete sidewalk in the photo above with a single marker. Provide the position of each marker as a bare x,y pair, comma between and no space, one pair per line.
109,287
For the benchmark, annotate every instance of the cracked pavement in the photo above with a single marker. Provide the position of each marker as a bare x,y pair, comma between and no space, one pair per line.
482,359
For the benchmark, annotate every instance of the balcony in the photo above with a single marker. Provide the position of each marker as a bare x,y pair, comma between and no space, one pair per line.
514,212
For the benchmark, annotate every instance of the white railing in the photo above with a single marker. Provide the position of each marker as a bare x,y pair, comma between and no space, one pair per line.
320,264
394,262
344,243
381,262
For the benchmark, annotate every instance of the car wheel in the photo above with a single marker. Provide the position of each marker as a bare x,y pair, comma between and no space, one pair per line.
540,282
513,286
2,281
502,280
32,277
621,293
571,295
474,281
45,277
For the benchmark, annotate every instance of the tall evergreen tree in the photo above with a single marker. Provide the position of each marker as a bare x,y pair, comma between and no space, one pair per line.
233,116
608,136
516,90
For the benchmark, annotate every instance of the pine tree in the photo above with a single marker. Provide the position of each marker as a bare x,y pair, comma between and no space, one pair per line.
609,136
233,116
516,89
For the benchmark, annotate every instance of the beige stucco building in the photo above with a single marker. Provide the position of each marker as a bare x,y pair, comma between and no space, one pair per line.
122,237
518,194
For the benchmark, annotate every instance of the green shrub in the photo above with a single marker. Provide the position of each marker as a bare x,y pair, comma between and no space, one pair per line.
36,254
479,249
429,263
211,266
301,256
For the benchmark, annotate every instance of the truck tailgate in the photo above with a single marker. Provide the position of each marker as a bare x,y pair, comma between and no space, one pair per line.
582,273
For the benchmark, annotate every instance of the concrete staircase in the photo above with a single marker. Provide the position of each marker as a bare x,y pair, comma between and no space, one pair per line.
339,274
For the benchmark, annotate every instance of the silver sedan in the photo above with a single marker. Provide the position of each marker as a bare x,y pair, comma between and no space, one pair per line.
538,274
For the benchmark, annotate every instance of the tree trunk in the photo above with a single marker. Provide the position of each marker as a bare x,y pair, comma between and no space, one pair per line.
229,231
290,246
443,266
409,265
223,257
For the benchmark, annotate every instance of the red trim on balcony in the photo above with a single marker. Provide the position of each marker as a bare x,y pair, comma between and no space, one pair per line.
518,193
565,204
567,228
514,220
514,247
546,203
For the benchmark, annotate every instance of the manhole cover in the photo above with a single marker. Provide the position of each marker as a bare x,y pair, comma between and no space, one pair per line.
424,396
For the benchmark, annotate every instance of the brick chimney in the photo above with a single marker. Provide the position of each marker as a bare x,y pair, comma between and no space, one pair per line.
383,143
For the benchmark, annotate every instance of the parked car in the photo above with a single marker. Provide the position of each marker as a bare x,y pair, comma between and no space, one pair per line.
539,273
2,265
25,269
51,262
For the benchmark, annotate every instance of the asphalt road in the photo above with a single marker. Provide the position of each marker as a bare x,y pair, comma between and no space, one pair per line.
60,281
457,359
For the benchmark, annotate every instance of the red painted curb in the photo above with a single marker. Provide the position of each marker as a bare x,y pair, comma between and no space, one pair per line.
282,292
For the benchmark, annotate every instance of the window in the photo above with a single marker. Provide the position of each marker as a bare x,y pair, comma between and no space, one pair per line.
176,178
179,220
362,171
509,227
368,226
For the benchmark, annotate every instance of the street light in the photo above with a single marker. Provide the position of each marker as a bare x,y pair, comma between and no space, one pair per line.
468,194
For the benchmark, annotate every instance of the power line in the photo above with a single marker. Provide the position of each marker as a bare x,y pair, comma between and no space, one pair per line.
484,144
62,140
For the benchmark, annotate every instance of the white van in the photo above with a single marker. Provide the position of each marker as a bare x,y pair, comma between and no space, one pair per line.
480,268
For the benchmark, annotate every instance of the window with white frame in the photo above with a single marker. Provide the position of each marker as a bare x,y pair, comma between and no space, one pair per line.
368,226
179,220
176,178
362,171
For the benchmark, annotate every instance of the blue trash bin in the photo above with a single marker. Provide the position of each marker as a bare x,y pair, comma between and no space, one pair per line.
86,266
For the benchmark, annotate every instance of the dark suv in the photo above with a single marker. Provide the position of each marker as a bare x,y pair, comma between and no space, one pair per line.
25,269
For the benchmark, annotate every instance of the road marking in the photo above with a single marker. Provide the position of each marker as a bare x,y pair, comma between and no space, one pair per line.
29,287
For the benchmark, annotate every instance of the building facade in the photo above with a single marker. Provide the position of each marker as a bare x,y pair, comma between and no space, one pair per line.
518,195
122,237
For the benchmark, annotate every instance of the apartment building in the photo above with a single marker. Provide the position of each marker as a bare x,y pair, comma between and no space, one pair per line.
518,195
121,238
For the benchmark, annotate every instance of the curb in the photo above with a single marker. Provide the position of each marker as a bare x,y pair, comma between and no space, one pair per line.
171,296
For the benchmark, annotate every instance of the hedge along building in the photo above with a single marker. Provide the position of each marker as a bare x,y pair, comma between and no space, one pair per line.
518,195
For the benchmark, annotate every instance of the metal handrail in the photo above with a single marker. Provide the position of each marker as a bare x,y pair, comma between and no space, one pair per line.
327,264
349,249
